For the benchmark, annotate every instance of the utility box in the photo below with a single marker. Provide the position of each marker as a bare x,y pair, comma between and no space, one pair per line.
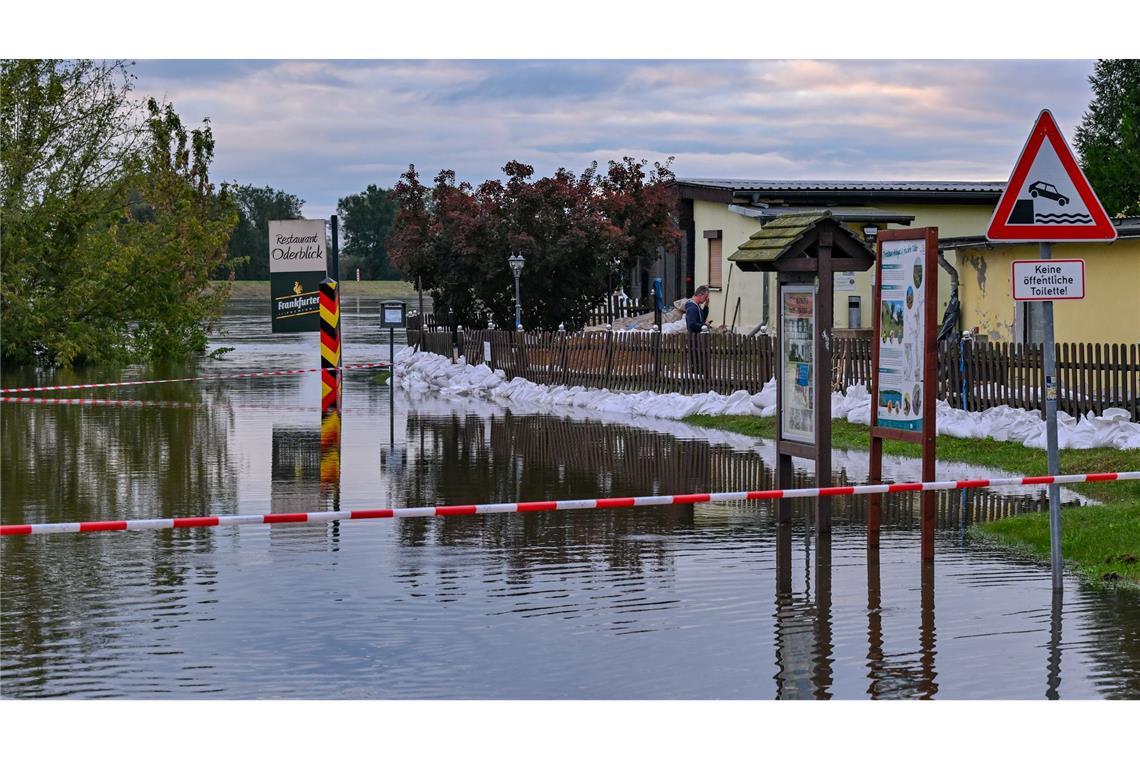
393,314
854,312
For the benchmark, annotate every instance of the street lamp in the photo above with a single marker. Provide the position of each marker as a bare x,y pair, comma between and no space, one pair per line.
516,261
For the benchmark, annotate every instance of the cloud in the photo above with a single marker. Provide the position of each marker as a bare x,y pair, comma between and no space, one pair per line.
326,129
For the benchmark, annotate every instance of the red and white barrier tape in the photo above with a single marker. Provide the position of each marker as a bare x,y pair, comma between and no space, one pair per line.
273,373
547,506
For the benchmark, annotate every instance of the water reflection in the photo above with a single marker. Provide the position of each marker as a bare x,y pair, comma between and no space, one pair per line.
713,601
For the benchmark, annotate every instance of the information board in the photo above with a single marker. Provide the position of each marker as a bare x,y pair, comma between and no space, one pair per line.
902,333
797,363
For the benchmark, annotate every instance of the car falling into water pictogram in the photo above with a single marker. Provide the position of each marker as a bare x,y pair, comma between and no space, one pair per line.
1046,190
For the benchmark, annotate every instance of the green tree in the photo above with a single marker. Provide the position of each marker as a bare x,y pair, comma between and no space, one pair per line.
249,245
1108,137
455,239
110,224
366,219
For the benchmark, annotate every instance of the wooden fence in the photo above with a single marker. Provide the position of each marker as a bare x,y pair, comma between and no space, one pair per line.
977,376
618,307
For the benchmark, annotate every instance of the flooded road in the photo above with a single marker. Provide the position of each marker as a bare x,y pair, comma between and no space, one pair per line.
712,601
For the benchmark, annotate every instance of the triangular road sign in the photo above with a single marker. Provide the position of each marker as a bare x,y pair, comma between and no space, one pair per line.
1048,199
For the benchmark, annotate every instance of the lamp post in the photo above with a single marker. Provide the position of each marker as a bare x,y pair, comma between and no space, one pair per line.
516,261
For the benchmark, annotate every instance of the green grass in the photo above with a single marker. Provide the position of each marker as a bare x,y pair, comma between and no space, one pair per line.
253,289
1102,544
1097,541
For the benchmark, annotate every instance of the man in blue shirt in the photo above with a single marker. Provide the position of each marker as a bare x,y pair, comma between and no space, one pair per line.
697,309
696,314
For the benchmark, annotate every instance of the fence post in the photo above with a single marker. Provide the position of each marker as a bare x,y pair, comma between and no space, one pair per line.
609,354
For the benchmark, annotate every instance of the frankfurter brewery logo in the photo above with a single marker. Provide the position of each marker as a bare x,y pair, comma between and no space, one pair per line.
298,304
298,256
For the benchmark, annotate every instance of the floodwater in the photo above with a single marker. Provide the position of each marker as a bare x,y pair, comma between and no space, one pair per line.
706,601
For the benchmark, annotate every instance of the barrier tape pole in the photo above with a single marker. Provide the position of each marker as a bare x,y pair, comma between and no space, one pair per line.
271,373
547,506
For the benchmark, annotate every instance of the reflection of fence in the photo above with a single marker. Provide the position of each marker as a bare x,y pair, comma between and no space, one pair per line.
1090,377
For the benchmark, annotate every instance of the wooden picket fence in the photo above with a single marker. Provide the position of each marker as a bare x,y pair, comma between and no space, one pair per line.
617,306
975,376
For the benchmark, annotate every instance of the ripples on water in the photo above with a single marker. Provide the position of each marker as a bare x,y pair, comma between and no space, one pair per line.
676,602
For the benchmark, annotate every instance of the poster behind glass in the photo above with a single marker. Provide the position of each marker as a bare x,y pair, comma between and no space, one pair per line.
797,362
901,330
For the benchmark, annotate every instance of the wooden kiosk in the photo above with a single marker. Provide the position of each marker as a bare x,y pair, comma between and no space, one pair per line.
805,250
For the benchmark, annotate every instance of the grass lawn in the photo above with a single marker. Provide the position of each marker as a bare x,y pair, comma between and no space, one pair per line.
1100,543
254,289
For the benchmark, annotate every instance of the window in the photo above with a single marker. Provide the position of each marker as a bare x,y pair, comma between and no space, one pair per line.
716,263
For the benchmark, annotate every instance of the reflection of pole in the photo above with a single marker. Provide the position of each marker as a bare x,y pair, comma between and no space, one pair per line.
330,456
1053,677
822,676
1051,435
330,343
926,634
874,623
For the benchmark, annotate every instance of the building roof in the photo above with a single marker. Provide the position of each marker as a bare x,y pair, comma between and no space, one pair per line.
853,214
1127,228
776,186
842,191
779,236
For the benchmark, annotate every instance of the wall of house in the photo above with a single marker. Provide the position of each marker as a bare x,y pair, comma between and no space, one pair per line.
951,220
748,286
1109,313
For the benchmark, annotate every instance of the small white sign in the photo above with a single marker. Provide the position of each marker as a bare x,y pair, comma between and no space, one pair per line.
1048,279
487,351
297,245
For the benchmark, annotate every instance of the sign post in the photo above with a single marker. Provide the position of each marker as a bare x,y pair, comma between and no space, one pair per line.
1049,200
904,361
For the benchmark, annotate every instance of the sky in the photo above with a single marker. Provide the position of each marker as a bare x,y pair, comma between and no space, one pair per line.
324,129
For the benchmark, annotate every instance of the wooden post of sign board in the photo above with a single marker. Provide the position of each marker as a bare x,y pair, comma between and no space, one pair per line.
825,305
925,437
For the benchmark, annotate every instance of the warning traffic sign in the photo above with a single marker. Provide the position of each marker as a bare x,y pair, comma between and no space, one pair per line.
1048,199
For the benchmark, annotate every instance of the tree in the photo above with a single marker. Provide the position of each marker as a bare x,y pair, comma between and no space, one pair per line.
366,219
249,245
455,239
1108,137
110,224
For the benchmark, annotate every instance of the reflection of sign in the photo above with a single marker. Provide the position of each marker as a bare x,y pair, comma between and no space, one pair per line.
1047,197
1048,279
297,261
902,313
797,359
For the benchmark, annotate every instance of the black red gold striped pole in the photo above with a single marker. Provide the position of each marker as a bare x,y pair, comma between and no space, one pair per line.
330,343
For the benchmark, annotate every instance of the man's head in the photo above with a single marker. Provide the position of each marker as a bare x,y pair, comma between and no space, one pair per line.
701,295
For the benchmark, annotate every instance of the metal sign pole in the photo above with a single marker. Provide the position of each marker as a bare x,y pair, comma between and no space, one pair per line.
1051,434
392,387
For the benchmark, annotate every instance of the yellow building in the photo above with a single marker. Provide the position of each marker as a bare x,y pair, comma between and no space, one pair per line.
716,216
1109,312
